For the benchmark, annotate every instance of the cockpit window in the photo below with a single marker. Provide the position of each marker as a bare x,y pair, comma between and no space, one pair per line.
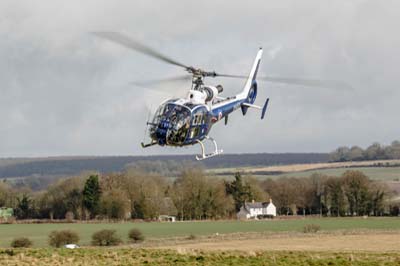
176,119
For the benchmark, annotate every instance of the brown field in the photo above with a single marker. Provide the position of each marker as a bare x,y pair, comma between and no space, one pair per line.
369,241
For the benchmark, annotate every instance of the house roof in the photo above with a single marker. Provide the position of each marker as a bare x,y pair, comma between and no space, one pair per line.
254,205
249,205
243,211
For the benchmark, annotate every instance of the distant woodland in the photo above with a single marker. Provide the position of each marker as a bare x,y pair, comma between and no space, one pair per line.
38,173
375,151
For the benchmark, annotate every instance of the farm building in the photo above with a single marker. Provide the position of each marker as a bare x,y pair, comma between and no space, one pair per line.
255,210
6,213
166,218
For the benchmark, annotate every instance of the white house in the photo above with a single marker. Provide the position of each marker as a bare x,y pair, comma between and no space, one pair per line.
257,209
270,209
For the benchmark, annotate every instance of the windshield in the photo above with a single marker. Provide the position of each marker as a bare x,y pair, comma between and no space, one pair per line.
175,119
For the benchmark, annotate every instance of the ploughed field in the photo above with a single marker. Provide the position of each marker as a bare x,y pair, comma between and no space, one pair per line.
157,231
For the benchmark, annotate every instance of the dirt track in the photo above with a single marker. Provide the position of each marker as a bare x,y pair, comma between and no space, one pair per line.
382,242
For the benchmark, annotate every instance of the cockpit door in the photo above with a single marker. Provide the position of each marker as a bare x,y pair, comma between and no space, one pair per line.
198,127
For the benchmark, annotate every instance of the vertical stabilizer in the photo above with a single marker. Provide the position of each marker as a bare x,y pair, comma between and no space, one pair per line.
252,76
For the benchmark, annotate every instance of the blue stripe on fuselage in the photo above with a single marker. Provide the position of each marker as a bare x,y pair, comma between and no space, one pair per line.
227,108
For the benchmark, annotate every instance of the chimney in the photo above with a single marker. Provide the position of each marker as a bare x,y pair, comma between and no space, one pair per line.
252,201
270,200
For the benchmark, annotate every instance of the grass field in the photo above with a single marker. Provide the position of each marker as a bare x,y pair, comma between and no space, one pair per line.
375,173
124,256
38,232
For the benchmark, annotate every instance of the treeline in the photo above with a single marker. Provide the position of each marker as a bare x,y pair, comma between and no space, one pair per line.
375,151
352,194
193,195
129,195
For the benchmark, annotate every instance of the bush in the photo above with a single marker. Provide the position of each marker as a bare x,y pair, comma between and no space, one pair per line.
311,228
135,235
105,237
191,237
21,242
63,237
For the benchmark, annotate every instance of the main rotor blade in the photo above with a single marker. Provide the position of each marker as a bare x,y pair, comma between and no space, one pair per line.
230,76
163,80
137,46
295,81
308,82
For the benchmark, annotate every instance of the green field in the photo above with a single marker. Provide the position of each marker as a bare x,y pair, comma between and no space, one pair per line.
38,232
124,256
375,173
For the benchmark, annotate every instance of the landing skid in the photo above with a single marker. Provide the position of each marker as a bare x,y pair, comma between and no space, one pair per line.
148,144
203,154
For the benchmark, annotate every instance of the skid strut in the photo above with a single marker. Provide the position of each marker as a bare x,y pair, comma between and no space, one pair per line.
209,155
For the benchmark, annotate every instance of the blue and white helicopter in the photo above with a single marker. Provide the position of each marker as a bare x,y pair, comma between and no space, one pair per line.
187,121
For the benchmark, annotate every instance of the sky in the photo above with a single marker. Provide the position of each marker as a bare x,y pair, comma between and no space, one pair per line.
64,91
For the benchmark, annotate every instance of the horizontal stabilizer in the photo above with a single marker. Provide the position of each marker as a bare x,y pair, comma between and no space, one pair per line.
252,105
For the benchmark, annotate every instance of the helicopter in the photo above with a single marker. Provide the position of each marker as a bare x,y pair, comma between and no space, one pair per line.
188,121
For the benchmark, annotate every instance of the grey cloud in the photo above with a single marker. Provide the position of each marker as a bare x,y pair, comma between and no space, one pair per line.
64,92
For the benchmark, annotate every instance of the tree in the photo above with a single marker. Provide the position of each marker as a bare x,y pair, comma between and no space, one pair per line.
243,190
74,202
356,190
91,195
144,192
356,154
341,154
318,182
25,209
114,204
62,197
190,193
240,193
5,195
217,203
378,194
284,193
197,197
374,152
394,150
336,196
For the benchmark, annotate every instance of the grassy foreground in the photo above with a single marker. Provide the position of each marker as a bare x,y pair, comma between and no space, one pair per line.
38,233
125,256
